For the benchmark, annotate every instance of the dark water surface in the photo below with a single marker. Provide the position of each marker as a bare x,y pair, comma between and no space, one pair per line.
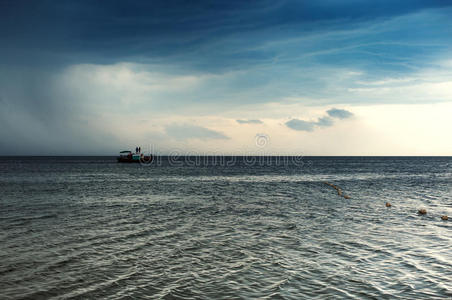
90,228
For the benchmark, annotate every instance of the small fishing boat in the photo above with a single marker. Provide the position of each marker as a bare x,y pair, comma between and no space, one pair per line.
129,157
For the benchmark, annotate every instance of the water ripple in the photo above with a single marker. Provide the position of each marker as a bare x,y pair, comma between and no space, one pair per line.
95,229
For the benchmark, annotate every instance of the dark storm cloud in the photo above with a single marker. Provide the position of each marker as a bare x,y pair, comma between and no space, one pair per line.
40,116
105,32
249,121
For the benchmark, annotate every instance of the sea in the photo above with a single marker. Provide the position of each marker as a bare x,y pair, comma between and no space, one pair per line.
225,228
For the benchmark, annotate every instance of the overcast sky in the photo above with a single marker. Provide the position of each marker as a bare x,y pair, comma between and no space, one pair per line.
312,77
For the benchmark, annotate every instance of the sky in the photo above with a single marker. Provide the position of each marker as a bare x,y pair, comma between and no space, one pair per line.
321,77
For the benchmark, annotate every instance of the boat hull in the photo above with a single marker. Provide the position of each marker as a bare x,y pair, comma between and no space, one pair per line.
142,159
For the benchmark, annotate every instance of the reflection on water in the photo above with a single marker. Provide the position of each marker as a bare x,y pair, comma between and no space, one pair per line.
92,228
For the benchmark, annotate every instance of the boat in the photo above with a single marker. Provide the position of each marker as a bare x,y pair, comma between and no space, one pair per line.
129,157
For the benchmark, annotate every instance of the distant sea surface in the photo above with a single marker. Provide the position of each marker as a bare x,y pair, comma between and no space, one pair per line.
202,228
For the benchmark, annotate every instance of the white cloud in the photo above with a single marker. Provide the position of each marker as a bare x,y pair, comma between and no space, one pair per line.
190,131
124,105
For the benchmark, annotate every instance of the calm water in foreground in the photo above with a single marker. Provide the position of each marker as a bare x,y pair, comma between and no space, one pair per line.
90,228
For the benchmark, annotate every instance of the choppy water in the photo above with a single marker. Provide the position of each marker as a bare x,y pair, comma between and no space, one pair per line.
91,228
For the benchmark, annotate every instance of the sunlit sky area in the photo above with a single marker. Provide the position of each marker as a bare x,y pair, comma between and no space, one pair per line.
235,77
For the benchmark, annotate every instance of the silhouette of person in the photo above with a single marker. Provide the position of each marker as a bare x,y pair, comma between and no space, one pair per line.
136,149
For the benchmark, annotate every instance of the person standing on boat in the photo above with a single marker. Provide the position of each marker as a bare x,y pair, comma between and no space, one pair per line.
136,149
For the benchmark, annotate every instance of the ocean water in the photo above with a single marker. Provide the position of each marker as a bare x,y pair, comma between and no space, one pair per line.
90,228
